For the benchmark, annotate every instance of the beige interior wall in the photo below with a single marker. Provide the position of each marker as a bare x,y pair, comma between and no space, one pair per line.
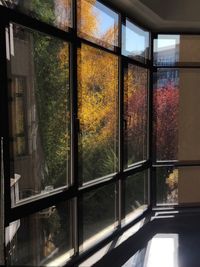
189,124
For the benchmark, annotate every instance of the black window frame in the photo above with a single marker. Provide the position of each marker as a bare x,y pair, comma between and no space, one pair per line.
75,191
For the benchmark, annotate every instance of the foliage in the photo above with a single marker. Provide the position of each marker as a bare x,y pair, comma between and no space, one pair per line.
98,99
52,94
166,100
135,114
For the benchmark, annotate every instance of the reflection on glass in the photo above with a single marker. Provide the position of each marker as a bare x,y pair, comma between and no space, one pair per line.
98,113
178,185
97,23
40,113
173,49
57,12
135,99
176,109
98,214
41,239
136,195
135,42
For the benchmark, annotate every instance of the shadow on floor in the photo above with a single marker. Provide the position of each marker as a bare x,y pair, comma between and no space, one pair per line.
170,240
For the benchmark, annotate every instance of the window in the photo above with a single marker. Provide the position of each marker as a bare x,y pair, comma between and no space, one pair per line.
177,185
136,195
98,113
176,50
57,13
176,114
42,239
75,162
135,42
98,23
40,112
99,216
135,114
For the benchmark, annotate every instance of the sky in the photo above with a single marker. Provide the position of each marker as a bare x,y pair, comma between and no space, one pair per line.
133,41
134,36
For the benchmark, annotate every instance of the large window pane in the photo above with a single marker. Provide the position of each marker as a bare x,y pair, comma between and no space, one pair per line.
135,42
175,49
135,109
176,109
98,214
98,113
178,185
41,239
54,12
97,23
136,195
40,113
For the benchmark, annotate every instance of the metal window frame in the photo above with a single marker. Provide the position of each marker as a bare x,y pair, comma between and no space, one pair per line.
75,191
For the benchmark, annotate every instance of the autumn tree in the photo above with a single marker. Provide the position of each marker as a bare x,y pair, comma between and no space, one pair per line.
135,113
166,101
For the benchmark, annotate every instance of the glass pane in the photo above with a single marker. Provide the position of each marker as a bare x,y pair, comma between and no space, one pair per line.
178,185
136,195
42,239
98,113
135,101
54,12
176,114
135,42
172,49
97,23
98,214
40,113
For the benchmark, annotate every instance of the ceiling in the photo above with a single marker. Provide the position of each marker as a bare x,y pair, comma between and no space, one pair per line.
163,15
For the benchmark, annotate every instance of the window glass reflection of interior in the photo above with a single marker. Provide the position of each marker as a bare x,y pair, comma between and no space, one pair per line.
41,239
98,214
40,113
136,195
18,100
176,49
135,118
98,113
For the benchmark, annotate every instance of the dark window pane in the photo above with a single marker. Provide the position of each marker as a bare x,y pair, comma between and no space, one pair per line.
98,113
176,109
172,49
136,195
135,42
57,13
178,185
40,113
97,23
135,124
42,239
98,214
